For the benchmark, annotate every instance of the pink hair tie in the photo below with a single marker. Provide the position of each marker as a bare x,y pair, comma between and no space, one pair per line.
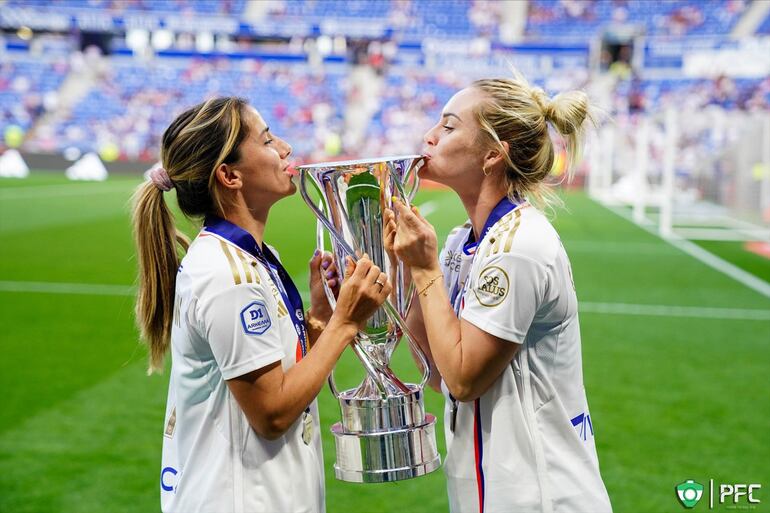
160,179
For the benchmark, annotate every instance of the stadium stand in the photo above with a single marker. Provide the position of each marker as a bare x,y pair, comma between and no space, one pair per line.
134,97
133,102
574,18
764,28
207,7
27,89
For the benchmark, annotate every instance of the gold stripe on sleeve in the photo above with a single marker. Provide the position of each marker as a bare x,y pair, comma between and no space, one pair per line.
282,310
512,232
253,264
497,236
247,269
231,260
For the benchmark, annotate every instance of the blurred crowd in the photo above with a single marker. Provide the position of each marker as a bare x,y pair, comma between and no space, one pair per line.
119,106
583,18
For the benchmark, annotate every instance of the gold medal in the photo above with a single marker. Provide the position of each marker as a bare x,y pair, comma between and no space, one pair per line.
307,428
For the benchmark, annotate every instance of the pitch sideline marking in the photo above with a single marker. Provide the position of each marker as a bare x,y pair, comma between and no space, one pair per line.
701,312
706,257
86,289
75,189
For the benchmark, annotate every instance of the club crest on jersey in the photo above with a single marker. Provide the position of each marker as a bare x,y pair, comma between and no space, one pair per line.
255,319
492,286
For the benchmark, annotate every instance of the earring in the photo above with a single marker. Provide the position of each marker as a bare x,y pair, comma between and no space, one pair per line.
484,170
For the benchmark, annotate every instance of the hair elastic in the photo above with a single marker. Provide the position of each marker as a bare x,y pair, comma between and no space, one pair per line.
159,177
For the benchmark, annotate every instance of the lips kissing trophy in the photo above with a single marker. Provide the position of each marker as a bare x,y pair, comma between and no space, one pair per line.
385,434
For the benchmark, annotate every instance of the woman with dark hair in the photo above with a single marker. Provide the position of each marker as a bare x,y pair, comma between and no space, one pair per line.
241,427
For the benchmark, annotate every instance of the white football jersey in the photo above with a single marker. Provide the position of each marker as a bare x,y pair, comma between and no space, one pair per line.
527,444
230,319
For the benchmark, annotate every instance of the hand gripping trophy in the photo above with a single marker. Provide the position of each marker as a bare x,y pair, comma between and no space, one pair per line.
385,434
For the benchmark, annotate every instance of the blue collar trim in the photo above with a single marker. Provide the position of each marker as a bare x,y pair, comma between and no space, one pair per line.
231,232
504,206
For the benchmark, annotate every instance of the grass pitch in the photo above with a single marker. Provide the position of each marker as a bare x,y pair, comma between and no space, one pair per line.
675,393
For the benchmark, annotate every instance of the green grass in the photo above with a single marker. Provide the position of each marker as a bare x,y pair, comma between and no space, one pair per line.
736,253
672,398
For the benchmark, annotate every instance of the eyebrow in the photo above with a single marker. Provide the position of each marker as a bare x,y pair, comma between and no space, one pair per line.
448,114
266,130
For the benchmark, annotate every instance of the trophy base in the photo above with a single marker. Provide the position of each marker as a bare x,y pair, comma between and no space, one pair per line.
375,415
386,456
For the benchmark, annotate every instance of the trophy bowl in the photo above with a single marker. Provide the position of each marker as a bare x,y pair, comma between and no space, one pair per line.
385,433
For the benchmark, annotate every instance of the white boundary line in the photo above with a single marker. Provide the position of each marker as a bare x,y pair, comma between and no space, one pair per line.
697,252
428,208
75,189
86,289
700,312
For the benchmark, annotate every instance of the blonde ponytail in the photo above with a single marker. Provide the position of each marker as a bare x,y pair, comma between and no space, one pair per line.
568,112
519,114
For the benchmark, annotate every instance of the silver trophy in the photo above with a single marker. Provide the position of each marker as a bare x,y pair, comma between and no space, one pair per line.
385,434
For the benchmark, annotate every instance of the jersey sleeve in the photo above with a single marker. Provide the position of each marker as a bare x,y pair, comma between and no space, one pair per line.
241,329
504,294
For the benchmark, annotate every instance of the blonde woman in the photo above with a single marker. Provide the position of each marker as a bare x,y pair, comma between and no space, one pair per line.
241,428
498,310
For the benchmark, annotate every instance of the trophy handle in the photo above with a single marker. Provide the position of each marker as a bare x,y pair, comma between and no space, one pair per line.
395,317
322,217
416,185
319,237
324,221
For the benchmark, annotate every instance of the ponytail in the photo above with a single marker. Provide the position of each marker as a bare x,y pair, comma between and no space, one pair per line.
518,114
568,112
194,145
155,237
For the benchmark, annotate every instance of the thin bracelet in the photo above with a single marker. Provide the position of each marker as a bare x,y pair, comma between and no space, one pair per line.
431,282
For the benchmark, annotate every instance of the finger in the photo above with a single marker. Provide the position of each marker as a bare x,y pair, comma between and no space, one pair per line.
326,259
373,273
406,216
315,259
350,267
362,266
332,283
390,233
314,264
386,286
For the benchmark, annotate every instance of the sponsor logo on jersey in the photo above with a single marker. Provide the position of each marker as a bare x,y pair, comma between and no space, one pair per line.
255,319
168,479
583,425
170,424
492,286
453,260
